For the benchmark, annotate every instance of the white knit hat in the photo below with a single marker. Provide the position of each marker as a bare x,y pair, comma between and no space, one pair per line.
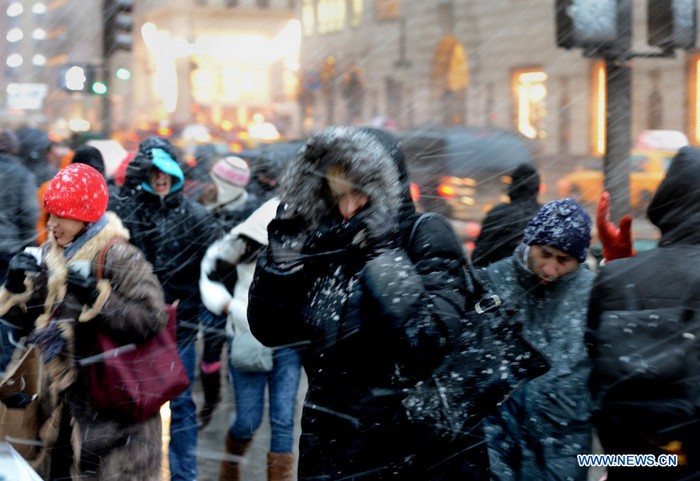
231,175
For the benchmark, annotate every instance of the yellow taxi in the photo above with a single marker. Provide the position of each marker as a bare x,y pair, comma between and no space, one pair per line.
649,161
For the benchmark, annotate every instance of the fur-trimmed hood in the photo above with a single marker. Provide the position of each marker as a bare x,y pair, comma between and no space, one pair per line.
363,157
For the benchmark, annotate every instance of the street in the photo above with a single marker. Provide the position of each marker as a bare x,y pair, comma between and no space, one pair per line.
254,466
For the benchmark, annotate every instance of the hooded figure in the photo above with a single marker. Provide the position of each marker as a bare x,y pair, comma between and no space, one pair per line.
55,297
648,417
173,232
503,226
19,211
537,433
340,281
33,147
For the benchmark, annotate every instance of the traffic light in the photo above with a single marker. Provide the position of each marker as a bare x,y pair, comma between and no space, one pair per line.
603,24
671,23
117,25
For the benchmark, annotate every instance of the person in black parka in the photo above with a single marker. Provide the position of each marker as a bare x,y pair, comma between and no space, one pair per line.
654,416
173,232
341,282
503,226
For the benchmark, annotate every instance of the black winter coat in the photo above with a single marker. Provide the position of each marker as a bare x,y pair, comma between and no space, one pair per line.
357,319
630,417
19,209
173,233
503,228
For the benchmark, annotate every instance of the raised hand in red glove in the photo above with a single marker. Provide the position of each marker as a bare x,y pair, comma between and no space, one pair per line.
617,241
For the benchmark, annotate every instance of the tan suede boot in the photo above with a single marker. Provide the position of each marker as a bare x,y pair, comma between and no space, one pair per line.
280,466
230,469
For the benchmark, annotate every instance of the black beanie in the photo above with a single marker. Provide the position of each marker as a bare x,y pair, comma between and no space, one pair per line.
87,154
525,182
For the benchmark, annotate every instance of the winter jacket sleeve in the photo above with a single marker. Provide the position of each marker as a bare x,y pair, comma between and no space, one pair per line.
275,303
216,294
134,310
421,293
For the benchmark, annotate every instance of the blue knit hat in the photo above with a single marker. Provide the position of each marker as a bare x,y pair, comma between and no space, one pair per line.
562,224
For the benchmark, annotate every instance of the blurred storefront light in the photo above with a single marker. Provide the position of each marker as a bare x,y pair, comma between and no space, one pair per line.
39,8
39,34
15,9
14,35
15,60
240,72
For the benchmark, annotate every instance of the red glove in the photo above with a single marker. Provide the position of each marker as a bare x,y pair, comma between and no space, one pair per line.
617,241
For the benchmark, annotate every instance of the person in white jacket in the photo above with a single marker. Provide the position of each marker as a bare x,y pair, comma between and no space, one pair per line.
227,272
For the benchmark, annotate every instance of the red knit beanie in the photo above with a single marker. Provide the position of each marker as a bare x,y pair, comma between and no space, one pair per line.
77,192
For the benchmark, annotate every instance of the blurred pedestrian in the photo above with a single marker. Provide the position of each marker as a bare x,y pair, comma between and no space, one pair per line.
34,145
198,183
230,176
503,227
55,297
173,232
266,170
340,282
538,432
227,271
19,210
645,378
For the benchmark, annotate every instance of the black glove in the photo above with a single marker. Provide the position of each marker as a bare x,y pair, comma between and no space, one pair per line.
286,240
378,233
84,288
18,268
16,400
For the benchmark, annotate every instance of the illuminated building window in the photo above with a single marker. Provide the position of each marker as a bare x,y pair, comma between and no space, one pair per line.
694,98
331,15
308,17
387,9
357,7
598,102
530,90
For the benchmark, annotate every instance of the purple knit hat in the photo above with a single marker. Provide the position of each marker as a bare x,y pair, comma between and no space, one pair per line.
562,224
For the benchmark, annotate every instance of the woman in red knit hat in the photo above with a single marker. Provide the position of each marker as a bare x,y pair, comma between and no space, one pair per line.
52,293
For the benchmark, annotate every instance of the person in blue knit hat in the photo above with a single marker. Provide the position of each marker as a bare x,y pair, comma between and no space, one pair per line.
537,433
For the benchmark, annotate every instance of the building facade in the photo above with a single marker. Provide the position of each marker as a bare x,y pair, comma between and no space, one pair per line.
412,63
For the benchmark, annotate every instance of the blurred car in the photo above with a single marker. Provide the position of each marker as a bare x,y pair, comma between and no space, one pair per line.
462,172
649,160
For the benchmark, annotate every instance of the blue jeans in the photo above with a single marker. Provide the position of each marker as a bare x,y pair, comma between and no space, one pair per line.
249,391
183,423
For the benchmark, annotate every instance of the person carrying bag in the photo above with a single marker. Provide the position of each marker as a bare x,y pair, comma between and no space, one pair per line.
57,299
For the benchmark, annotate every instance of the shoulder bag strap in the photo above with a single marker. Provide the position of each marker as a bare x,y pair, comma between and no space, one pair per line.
103,253
434,215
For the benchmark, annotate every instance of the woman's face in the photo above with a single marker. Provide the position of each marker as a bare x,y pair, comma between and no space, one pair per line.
350,200
64,230
161,183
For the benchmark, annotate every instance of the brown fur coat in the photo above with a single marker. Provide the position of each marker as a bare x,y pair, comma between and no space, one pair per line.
76,439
